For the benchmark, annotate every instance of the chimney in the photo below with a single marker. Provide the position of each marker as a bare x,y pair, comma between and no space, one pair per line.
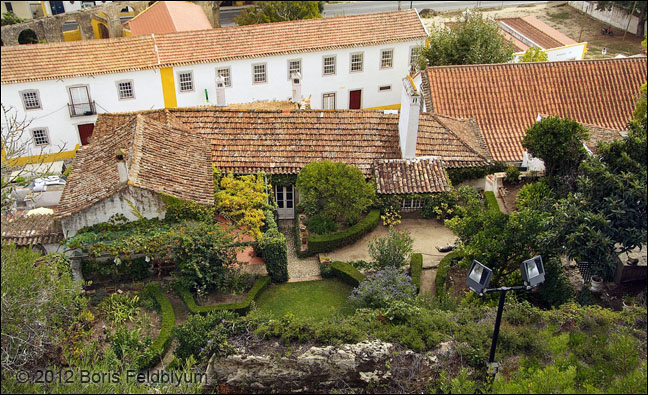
120,155
220,91
295,76
409,118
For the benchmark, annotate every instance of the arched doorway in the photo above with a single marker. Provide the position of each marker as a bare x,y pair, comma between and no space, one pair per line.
103,31
27,36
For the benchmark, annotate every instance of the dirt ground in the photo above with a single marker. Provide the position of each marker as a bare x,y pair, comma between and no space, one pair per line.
427,234
565,19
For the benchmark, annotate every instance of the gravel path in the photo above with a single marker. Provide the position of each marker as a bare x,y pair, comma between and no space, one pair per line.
298,268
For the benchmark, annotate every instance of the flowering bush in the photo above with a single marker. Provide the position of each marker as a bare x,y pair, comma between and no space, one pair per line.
391,217
387,286
392,250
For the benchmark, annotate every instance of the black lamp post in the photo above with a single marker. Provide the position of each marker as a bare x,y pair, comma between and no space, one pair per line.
478,279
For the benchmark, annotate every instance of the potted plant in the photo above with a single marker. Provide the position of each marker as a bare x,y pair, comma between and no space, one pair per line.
597,283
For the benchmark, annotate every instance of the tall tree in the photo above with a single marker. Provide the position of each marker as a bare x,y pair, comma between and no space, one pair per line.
278,11
638,6
558,142
471,39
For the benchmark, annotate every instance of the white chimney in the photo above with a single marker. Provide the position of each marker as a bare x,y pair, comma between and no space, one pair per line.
220,90
120,154
409,118
295,76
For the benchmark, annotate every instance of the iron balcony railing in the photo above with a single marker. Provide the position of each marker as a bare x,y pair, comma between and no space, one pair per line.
81,109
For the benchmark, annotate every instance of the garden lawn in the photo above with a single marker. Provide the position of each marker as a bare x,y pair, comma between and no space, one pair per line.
307,299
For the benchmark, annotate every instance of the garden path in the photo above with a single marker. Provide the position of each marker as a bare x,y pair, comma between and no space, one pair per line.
428,278
298,269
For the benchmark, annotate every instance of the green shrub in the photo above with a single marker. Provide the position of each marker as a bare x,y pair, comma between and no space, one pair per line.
347,273
119,308
275,255
128,344
388,285
535,196
556,289
199,331
321,225
325,243
416,266
325,270
491,201
443,269
241,307
161,344
512,175
127,270
178,210
393,250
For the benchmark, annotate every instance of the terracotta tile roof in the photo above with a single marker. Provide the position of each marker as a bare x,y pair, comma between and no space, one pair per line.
90,57
31,230
505,99
168,17
538,32
160,158
400,176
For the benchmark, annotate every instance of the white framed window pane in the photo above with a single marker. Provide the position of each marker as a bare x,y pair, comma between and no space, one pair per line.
125,90
328,101
31,100
294,66
186,81
40,137
356,62
259,73
386,58
329,65
227,77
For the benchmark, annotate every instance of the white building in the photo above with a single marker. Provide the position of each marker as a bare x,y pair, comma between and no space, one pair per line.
354,62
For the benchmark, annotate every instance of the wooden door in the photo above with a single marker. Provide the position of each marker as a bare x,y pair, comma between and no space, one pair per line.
355,99
85,132
285,197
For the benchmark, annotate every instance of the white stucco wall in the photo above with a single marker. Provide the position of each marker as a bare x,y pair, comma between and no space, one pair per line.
314,83
149,204
568,52
54,98
615,17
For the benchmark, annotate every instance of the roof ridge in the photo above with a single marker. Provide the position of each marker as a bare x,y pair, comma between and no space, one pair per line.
460,139
529,64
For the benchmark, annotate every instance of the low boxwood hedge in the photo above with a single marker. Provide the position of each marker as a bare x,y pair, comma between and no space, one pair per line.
325,243
416,266
347,273
491,201
160,346
443,269
241,307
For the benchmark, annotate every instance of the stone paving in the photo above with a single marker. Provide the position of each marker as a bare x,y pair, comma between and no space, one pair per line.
298,268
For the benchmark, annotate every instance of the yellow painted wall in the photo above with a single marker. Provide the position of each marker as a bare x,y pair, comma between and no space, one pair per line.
387,107
95,28
168,87
127,33
44,158
72,35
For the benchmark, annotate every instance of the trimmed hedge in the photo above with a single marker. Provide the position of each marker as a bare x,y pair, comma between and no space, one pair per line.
491,201
416,266
443,269
275,251
347,273
160,346
326,243
241,307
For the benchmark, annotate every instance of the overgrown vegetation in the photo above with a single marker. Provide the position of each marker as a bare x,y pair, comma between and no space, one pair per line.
244,199
279,11
393,250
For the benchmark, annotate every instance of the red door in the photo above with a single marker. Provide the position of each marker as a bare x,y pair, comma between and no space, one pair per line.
355,99
85,132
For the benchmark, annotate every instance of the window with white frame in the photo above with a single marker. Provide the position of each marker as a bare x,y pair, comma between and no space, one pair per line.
259,73
386,58
226,73
185,80
125,90
357,61
411,204
40,137
294,66
31,99
413,57
329,65
328,101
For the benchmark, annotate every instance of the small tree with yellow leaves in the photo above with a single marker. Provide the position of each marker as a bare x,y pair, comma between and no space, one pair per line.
244,199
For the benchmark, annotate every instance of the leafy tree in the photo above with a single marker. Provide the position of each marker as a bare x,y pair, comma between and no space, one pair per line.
628,6
534,54
39,300
536,196
558,142
9,18
471,40
244,199
334,190
278,11
639,112
393,250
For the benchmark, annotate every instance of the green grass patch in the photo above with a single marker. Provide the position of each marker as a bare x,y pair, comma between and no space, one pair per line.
491,201
308,299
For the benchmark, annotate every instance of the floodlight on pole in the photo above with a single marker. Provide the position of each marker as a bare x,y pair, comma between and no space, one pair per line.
478,279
